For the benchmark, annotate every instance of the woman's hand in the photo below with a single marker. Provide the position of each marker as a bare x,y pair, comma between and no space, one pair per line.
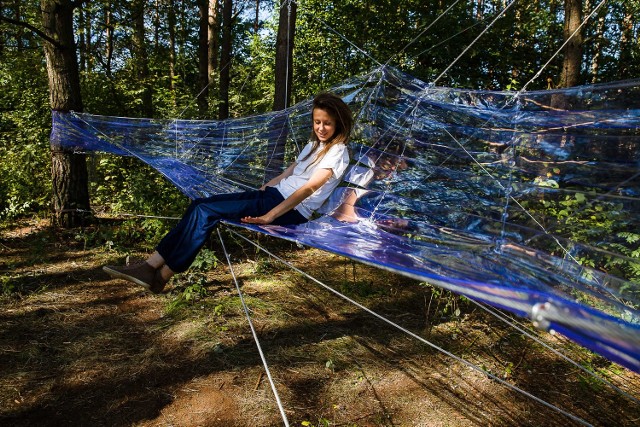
260,220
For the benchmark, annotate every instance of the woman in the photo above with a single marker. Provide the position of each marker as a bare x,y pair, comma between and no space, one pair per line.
289,198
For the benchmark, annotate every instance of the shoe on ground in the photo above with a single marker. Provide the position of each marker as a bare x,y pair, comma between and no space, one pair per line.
158,283
141,274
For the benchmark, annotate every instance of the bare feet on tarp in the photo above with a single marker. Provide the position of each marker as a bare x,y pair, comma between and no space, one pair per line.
394,224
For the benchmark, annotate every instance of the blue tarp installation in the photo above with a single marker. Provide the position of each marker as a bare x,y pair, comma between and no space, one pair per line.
529,201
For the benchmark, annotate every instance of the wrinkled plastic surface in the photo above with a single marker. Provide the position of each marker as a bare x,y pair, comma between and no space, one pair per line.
487,194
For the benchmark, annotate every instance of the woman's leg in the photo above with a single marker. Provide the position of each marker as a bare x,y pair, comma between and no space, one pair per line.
177,250
181,245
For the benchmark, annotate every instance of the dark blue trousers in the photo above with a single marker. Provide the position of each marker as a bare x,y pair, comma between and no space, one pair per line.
181,245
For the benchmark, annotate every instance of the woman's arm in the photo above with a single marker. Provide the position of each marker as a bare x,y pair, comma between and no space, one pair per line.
274,181
317,180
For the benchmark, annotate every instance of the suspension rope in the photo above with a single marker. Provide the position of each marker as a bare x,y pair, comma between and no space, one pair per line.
422,32
505,319
584,21
482,33
254,333
347,40
412,334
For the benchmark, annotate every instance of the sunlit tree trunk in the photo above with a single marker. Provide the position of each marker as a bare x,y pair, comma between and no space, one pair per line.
214,31
203,58
141,56
109,39
597,48
284,54
479,9
256,21
225,58
82,47
171,23
626,41
18,17
572,60
283,80
88,41
70,196
156,24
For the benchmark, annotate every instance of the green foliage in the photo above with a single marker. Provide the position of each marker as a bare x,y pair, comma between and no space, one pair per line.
444,302
7,285
194,290
24,136
582,221
205,261
127,185
192,286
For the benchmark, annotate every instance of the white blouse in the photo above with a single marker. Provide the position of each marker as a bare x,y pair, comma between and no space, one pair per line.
336,159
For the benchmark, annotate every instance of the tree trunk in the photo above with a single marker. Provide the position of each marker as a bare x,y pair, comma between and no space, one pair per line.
203,58
82,47
256,22
282,97
157,23
87,42
214,31
70,198
18,17
171,21
626,42
571,65
284,55
109,40
597,49
225,58
141,56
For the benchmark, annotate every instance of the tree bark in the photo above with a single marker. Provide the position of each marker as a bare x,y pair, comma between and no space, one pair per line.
141,57
70,197
282,96
626,42
109,40
203,58
171,21
597,49
225,58
256,22
284,54
572,61
214,32
18,17
82,47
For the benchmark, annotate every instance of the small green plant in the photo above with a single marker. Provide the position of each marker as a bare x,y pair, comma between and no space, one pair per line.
330,365
322,422
7,285
193,291
205,261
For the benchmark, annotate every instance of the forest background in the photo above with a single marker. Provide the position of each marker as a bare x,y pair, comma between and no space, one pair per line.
79,351
218,59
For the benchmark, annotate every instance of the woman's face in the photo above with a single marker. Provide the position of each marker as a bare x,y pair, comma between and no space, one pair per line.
324,126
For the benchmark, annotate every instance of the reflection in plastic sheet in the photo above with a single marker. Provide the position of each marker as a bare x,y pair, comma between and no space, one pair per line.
487,194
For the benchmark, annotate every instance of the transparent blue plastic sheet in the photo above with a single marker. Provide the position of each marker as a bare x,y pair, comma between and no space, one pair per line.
527,201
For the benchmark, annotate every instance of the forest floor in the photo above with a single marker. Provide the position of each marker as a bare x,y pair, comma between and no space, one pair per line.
78,348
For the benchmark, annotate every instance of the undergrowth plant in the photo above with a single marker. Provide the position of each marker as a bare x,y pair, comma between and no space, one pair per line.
192,285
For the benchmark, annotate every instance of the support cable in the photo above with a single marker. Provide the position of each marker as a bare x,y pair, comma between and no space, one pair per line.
255,335
505,319
413,335
584,21
504,10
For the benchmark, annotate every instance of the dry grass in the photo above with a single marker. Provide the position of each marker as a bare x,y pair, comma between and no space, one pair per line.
80,349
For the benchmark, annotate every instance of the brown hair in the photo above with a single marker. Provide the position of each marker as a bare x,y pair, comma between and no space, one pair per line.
340,112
